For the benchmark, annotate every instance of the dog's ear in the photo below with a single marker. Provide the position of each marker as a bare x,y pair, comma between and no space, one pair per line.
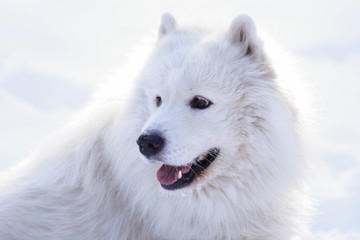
167,24
243,33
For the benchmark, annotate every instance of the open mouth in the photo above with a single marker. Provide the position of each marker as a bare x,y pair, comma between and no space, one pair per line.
176,177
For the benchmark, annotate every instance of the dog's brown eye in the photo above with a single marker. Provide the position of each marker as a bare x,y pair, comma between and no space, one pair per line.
158,101
199,102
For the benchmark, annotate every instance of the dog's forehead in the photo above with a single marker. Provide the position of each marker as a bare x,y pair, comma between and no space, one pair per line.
205,66
191,62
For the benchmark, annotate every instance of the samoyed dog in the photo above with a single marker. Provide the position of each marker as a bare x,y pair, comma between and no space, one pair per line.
207,147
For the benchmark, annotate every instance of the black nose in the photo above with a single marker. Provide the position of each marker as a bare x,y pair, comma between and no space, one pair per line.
150,144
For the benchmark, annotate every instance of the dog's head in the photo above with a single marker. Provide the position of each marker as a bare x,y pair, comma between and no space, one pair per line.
204,98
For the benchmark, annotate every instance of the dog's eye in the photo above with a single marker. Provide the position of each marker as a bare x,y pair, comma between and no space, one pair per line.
199,102
158,101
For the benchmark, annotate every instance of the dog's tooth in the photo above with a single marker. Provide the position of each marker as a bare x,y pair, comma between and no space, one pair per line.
180,174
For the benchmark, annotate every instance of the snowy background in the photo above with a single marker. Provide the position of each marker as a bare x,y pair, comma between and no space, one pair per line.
53,52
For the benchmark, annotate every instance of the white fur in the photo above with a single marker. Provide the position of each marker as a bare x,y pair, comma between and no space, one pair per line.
93,183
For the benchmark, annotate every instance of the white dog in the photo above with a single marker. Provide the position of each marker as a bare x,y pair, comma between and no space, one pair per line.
207,147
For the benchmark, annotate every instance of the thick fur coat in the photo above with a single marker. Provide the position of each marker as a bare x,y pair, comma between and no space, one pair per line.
92,182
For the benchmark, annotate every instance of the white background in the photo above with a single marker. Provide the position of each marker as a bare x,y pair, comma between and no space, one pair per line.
52,53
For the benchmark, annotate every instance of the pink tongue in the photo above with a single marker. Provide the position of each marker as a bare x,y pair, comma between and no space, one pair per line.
167,174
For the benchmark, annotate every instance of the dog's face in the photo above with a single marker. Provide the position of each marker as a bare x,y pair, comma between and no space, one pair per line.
183,129
193,87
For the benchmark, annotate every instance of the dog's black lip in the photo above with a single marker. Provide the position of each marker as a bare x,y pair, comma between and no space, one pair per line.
196,168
